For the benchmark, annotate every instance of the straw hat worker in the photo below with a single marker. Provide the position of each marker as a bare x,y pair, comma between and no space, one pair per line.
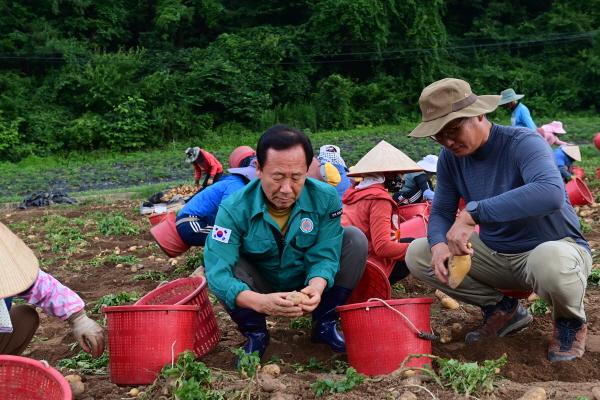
369,207
565,156
20,276
529,235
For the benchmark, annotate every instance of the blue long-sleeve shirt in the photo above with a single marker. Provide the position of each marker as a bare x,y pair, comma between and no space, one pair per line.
521,196
522,117
206,203
563,162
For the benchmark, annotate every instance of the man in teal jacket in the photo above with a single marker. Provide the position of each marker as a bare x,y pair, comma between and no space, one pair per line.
279,234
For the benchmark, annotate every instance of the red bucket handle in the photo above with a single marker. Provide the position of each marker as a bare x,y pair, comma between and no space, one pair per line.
422,335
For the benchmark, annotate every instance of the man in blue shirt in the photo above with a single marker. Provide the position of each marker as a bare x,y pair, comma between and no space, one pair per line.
520,113
529,239
195,221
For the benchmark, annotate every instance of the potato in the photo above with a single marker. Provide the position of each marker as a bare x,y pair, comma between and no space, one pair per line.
447,301
271,369
134,392
458,268
535,393
533,297
445,335
297,297
77,387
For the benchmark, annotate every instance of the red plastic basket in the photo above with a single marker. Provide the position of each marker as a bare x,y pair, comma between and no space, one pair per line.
189,291
23,378
157,218
378,338
579,193
374,283
410,210
415,227
142,339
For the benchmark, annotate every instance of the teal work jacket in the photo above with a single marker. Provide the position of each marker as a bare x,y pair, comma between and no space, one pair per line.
310,248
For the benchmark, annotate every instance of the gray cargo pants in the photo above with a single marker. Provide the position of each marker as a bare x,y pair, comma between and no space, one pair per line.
557,271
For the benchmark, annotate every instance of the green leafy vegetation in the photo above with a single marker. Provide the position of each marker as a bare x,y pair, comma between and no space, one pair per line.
330,386
193,260
114,300
312,365
127,76
301,323
539,307
585,227
594,278
470,378
187,379
85,363
116,224
150,276
248,364
114,259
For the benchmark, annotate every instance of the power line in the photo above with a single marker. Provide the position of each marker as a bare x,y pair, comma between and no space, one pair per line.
392,54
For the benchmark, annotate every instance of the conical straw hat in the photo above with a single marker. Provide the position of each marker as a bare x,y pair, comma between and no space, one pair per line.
384,158
18,265
572,151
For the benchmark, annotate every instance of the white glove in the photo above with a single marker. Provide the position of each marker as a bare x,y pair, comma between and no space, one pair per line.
88,333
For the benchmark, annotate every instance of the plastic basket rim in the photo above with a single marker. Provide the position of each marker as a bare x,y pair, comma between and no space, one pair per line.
391,302
38,365
584,190
166,286
158,307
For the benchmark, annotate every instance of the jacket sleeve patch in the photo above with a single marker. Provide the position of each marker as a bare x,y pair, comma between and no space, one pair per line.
335,214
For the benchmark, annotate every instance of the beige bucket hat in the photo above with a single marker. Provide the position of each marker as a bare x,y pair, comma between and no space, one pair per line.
18,265
446,100
572,151
384,158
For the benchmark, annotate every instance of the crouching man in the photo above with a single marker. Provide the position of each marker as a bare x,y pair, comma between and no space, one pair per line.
529,239
282,233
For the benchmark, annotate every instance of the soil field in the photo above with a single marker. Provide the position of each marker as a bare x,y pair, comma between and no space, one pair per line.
70,244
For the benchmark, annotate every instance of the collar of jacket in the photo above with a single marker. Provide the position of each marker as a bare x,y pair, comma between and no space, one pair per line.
306,201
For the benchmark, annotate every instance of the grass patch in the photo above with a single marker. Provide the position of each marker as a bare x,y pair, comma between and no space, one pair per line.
116,224
156,276
147,172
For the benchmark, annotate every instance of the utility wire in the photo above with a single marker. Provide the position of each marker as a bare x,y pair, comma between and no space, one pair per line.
384,55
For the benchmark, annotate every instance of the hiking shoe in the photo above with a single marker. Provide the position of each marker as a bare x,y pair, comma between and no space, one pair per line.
500,320
568,340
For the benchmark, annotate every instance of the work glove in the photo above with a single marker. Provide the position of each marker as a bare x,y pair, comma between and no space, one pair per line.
88,333
428,195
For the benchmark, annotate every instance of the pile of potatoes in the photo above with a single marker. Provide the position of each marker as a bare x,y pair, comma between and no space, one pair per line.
181,191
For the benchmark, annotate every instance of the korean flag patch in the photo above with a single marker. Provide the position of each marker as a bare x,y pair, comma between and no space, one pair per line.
221,234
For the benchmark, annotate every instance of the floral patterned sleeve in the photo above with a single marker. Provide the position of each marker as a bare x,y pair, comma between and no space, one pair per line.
53,297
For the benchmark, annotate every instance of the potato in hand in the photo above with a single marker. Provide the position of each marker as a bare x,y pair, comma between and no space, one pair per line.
458,268
297,297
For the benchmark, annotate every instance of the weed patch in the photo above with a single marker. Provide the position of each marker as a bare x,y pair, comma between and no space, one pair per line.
114,300
325,386
85,363
116,224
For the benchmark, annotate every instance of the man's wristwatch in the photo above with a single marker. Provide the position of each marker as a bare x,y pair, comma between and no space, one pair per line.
471,208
